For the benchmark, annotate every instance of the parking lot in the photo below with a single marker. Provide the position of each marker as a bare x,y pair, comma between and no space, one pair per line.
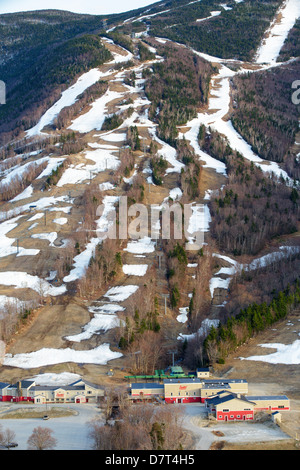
70,432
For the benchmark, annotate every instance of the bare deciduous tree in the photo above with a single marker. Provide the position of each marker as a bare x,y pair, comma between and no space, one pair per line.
41,439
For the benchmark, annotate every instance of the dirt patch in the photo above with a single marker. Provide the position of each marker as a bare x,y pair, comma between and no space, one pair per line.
284,444
27,413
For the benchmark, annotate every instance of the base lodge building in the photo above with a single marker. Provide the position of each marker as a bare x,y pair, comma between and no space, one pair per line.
80,391
224,399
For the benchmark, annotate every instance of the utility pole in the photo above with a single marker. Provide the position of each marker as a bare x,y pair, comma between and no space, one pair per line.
159,260
165,296
173,354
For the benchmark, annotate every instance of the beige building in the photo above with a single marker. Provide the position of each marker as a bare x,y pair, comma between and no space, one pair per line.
231,407
270,402
147,390
202,373
195,390
235,407
80,391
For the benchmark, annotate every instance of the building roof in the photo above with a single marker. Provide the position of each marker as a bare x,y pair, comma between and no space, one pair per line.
90,384
23,383
176,370
182,381
148,385
223,381
38,388
231,396
4,385
268,397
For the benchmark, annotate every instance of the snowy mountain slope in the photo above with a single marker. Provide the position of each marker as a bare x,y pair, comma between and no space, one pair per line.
103,171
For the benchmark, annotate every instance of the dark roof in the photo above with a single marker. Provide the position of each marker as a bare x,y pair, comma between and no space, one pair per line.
182,381
216,385
4,385
223,399
203,369
148,385
224,381
268,397
87,383
37,388
24,384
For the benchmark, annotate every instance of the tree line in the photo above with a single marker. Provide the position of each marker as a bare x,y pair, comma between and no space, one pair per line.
176,88
250,321
253,207
234,34
264,114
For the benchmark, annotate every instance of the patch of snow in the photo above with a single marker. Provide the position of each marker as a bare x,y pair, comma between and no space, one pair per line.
68,98
64,378
204,329
286,354
105,318
35,217
103,160
106,186
24,195
6,248
135,269
51,237
182,318
48,356
175,194
218,283
61,221
53,164
120,293
94,118
141,246
82,260
212,15
278,31
22,280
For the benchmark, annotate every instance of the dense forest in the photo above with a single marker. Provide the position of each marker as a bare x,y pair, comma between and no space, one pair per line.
176,89
43,80
291,47
264,114
235,33
252,208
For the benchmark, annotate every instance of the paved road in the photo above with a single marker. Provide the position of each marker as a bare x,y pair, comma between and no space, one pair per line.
70,432
235,432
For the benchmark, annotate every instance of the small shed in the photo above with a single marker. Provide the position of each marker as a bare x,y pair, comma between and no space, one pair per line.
276,417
